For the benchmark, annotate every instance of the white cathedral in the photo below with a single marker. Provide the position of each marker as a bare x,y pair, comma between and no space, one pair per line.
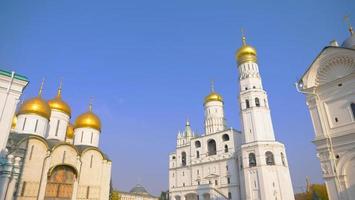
329,87
44,156
224,163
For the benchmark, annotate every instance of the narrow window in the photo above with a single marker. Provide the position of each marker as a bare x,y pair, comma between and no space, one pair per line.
88,192
31,152
252,160
336,119
229,195
92,135
82,135
198,172
283,159
24,124
183,158
197,144
247,103
56,129
228,180
215,182
183,173
198,183
92,157
257,102
225,148
197,154
23,187
36,125
353,109
269,158
183,184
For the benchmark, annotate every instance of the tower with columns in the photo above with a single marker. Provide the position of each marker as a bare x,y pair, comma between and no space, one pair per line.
264,172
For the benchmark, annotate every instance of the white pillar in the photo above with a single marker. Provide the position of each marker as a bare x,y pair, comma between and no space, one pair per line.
11,88
5,174
15,174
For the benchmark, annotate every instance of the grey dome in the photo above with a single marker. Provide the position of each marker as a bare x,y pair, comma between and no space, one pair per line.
138,189
349,42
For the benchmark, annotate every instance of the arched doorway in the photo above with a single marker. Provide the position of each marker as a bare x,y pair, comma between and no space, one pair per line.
191,196
60,183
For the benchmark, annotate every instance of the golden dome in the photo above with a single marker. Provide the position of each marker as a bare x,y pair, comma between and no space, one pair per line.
36,106
213,96
58,104
14,122
88,120
246,53
70,131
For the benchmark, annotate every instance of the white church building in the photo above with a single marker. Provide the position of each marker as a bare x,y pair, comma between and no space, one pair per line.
224,163
43,156
329,87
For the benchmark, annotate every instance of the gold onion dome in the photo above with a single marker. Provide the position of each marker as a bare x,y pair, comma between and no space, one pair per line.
88,120
58,104
14,122
36,105
70,131
213,96
246,53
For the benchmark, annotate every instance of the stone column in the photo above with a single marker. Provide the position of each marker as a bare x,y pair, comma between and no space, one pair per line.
5,174
15,174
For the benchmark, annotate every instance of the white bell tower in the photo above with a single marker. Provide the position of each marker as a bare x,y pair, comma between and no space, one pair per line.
265,173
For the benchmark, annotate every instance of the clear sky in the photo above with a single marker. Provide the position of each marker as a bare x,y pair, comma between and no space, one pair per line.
148,65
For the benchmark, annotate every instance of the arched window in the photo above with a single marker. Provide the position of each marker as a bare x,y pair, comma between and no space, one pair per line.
225,148
197,144
183,158
252,160
353,109
283,159
257,102
225,137
269,157
212,148
173,157
247,103
197,154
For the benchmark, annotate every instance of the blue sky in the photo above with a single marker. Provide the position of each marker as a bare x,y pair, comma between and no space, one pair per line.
148,65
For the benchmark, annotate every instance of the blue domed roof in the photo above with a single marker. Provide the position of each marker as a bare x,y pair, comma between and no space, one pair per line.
349,42
139,189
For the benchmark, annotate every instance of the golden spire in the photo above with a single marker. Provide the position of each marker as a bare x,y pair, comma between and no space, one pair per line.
243,37
347,19
90,103
41,88
59,93
212,86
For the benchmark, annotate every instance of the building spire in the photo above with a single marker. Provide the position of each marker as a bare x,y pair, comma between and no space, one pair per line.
212,85
41,88
351,30
244,40
59,93
187,122
90,103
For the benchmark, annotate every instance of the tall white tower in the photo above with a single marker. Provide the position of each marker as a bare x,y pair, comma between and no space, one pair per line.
214,113
265,173
11,88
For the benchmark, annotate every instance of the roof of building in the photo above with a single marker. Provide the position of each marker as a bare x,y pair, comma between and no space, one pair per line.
16,138
138,190
16,76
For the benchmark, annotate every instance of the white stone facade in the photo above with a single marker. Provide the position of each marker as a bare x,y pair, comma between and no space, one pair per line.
226,164
329,86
